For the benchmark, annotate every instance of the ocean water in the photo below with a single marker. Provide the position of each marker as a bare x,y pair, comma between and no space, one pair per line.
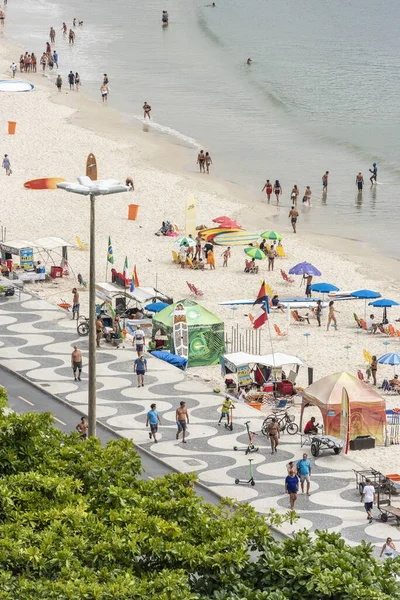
321,93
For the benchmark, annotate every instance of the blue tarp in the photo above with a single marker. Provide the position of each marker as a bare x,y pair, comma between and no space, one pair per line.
172,359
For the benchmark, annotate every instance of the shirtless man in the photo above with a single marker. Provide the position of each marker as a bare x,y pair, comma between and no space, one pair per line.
147,110
71,37
360,181
52,35
182,419
75,304
308,279
201,159
74,22
76,362
199,239
293,214
307,195
82,428
325,181
104,92
64,28
274,434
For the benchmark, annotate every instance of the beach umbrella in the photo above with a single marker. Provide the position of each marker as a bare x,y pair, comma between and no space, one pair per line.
271,235
227,223
384,303
392,358
186,240
304,268
365,295
156,306
323,288
255,253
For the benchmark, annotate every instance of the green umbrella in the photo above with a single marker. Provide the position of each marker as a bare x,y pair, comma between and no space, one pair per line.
255,253
271,235
186,240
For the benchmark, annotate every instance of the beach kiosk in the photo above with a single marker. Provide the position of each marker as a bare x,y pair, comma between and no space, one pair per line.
350,408
23,249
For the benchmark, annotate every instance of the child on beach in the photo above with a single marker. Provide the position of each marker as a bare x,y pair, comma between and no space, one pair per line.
226,255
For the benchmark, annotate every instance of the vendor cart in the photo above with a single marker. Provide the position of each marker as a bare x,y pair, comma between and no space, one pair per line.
322,442
385,487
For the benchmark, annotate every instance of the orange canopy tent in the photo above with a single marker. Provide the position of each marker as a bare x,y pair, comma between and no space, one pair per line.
367,409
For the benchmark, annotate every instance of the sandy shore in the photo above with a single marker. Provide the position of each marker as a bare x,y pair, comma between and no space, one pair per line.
55,133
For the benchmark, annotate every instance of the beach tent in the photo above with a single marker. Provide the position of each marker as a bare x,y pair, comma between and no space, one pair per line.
206,332
278,359
366,408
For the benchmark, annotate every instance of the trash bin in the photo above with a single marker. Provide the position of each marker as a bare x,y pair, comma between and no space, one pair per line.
56,272
132,211
11,127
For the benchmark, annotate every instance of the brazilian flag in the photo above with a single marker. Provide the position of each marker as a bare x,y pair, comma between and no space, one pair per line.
110,255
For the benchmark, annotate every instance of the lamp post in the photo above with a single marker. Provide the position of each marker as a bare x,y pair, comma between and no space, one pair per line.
87,187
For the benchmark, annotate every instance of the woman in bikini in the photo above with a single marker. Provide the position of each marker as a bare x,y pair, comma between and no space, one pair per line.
268,189
201,159
277,190
294,194
331,316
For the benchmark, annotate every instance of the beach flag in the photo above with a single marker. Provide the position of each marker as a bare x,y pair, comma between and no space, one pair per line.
110,254
133,282
136,277
260,308
126,275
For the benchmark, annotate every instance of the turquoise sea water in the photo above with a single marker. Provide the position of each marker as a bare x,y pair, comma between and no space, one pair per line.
321,93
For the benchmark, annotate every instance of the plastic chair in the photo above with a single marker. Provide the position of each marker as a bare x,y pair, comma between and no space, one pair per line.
81,245
297,318
279,332
363,324
286,277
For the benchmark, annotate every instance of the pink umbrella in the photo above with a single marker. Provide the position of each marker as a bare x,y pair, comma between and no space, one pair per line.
227,223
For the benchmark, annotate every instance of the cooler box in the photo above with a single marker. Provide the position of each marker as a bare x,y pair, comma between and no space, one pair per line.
56,272
285,388
268,387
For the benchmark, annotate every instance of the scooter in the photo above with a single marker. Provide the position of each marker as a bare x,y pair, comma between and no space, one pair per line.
251,480
250,446
229,423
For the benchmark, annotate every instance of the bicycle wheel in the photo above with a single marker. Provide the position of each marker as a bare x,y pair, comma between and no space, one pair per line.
292,428
83,329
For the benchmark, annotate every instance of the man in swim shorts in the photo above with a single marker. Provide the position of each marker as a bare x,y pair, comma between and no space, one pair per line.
293,214
325,181
360,181
201,159
76,362
75,304
273,434
182,419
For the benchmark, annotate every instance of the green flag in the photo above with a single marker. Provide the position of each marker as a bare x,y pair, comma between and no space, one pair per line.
110,255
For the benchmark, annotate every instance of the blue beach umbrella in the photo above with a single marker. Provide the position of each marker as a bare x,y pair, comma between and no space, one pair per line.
156,306
304,268
384,303
323,288
365,295
392,358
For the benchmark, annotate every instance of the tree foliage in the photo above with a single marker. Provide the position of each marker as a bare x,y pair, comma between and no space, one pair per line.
77,521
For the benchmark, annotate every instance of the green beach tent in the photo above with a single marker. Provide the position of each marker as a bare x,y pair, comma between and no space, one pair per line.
206,341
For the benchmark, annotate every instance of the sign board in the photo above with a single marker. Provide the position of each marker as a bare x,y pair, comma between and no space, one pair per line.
26,258
276,373
243,375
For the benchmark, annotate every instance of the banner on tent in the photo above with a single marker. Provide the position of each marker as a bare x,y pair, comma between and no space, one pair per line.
243,375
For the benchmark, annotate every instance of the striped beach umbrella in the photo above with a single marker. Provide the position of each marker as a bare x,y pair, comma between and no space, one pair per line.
271,235
255,253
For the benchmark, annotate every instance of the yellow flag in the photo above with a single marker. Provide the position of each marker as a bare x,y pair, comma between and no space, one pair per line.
190,216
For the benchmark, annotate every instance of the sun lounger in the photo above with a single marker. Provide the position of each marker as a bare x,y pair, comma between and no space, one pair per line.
298,318
278,332
194,289
81,245
286,277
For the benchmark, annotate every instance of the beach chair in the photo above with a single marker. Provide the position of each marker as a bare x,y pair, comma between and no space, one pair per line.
194,289
81,281
286,278
190,262
398,332
175,257
391,331
81,245
357,320
382,329
279,332
281,251
360,375
367,356
298,318
363,324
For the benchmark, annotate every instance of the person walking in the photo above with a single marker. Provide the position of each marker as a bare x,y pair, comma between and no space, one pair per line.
293,215
76,363
360,182
75,304
182,419
368,497
71,37
374,175
140,368
77,81
292,487
201,159
388,548
146,111
59,82
325,182
14,69
374,368
208,162
99,330
225,410
277,190
268,189
55,58
7,165
71,80
139,339
307,196
52,35
153,419
273,434
82,428
304,472
331,315
226,255
318,312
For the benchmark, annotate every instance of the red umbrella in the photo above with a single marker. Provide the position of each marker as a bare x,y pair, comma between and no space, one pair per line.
227,223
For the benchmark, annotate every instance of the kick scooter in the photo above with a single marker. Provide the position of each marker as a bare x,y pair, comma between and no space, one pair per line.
251,480
250,446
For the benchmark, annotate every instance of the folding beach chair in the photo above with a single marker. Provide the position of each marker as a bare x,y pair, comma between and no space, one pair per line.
357,320
281,251
391,331
81,281
278,332
194,289
286,277
81,245
190,262
175,257
367,356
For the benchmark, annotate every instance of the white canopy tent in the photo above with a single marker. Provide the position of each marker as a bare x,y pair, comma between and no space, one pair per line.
278,359
107,291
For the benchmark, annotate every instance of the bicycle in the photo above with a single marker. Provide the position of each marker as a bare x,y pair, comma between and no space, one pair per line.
83,327
285,423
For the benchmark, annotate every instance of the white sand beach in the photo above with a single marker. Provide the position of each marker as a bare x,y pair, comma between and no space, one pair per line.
55,133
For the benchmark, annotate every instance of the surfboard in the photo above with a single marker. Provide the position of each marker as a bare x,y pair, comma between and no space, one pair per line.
181,332
11,85
209,234
45,183
91,167
236,238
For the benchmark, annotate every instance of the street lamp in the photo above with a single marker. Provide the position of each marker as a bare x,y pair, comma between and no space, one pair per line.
87,187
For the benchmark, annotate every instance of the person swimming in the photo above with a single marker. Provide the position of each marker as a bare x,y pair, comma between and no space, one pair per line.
164,17
249,61
374,175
